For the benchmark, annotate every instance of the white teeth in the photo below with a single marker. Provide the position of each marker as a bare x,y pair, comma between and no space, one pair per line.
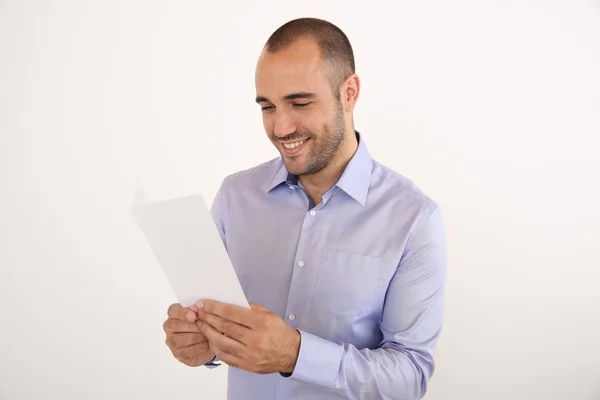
293,145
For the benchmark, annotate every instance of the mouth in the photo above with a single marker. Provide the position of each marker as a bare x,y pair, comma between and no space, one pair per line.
293,148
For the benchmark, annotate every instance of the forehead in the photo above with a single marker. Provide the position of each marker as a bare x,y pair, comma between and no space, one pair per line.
297,68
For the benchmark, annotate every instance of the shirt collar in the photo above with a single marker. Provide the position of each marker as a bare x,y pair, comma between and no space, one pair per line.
354,181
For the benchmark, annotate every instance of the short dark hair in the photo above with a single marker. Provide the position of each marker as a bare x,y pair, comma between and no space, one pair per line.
335,47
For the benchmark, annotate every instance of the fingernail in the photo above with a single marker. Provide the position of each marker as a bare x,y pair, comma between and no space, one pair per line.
200,304
199,323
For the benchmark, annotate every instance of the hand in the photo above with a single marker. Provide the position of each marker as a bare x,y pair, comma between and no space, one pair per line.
255,340
184,338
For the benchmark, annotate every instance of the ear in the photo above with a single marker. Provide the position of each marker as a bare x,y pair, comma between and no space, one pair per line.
350,91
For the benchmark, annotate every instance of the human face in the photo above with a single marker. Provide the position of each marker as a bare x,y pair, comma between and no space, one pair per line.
301,115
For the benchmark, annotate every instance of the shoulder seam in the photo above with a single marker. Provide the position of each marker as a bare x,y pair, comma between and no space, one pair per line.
267,164
400,185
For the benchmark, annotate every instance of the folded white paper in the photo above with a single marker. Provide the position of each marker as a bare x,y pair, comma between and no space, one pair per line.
188,247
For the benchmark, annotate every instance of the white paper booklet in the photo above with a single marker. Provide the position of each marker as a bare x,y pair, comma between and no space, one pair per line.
188,247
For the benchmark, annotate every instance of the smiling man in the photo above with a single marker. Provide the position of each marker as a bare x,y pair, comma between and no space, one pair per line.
343,259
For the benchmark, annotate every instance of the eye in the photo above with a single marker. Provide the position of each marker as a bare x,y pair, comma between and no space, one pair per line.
266,108
300,105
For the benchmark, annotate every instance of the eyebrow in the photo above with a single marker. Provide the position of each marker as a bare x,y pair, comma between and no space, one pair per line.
293,96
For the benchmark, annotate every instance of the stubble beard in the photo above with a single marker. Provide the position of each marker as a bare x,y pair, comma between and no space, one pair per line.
324,149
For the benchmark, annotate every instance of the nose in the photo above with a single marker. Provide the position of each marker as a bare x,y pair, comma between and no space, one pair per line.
284,124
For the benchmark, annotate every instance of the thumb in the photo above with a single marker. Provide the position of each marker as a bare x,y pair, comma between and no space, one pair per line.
192,314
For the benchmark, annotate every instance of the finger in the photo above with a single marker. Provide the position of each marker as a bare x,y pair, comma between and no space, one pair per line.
192,314
221,349
175,311
221,343
181,340
258,307
236,314
177,326
191,352
231,360
231,329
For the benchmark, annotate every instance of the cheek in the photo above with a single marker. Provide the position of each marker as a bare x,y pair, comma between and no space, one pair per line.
318,127
309,122
268,123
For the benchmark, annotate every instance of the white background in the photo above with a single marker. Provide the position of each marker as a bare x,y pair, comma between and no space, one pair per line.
491,107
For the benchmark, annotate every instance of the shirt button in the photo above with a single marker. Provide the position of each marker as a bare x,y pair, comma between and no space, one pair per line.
291,187
291,317
301,263
313,212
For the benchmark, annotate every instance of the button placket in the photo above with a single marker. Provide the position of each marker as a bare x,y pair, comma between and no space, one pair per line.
299,285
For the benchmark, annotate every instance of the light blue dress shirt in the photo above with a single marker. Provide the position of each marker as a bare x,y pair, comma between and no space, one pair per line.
361,276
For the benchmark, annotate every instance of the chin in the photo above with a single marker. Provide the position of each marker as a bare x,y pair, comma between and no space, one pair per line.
294,169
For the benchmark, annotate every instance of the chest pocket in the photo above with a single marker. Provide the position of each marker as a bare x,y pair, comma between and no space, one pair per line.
347,284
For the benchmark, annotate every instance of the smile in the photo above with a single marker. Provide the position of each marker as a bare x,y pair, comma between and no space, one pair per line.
293,145
294,148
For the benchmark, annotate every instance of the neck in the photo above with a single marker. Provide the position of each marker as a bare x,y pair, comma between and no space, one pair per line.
317,184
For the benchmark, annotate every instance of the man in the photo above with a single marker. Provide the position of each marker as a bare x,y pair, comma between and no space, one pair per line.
342,259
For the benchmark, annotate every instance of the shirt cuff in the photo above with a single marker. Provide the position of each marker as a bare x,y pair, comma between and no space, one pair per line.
212,364
318,361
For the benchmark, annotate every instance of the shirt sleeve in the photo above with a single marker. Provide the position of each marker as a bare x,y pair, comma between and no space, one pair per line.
217,210
403,362
213,363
